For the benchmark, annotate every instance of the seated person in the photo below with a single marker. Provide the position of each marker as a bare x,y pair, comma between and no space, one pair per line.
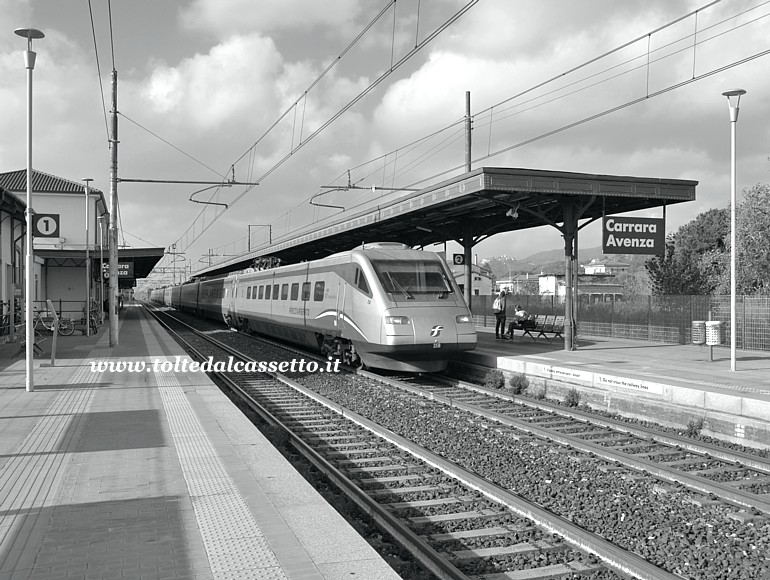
520,320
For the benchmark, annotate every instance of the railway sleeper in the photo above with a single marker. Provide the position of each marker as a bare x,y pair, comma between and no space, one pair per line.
400,505
753,480
745,517
534,547
405,490
374,469
345,462
473,514
479,533
568,570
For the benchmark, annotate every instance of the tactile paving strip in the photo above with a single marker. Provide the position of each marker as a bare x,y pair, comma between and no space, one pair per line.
233,540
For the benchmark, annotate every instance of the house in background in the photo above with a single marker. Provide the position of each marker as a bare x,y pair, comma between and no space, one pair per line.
481,283
591,287
605,267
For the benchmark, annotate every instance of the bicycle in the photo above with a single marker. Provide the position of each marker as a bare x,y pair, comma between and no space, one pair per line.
21,331
65,327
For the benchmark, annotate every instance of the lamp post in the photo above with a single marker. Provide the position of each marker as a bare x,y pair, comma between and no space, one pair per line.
269,233
101,269
29,61
88,264
733,101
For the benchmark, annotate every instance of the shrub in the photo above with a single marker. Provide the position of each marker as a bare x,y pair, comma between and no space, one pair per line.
494,379
573,398
519,383
694,427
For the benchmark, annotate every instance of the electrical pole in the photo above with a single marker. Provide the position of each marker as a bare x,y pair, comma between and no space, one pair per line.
112,231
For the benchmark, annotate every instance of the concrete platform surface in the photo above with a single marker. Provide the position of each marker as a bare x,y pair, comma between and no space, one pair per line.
665,383
686,365
151,475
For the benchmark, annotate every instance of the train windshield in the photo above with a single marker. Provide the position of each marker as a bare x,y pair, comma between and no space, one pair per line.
419,280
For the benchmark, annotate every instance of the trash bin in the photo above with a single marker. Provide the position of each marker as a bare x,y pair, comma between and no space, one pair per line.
698,332
713,332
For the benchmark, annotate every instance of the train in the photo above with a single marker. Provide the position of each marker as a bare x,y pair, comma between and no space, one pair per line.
380,305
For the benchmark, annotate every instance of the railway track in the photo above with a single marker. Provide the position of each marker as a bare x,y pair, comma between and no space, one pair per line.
463,494
739,478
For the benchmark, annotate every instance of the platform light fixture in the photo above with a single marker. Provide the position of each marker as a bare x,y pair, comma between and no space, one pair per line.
733,101
87,310
29,61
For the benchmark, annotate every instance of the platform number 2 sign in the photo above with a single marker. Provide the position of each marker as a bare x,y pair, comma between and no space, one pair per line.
46,225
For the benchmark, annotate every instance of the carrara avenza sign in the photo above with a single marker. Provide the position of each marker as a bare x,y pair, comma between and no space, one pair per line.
628,235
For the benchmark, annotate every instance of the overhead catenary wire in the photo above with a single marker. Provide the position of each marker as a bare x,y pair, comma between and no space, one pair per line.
98,70
396,65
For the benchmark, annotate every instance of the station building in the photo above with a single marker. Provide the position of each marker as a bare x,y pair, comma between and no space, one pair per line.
67,225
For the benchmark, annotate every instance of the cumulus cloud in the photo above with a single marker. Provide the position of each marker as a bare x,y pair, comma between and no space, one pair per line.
235,79
244,16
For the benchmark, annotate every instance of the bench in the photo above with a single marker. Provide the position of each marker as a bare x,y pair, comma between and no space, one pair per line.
551,325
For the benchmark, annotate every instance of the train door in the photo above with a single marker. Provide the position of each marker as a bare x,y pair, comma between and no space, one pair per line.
229,309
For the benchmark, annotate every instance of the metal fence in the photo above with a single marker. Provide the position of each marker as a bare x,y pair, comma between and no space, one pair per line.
653,318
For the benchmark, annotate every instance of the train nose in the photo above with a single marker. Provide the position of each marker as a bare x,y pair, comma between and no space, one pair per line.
435,328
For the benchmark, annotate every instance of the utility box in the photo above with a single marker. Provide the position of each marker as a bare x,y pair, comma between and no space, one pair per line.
698,332
713,332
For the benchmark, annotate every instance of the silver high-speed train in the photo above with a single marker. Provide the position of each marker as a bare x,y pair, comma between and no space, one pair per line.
380,305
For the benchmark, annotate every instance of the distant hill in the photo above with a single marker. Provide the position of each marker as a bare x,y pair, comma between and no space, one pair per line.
585,255
552,261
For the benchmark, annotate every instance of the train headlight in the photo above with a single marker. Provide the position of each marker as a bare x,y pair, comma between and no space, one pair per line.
397,320
463,319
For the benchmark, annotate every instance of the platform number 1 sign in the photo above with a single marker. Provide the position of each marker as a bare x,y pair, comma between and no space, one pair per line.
46,225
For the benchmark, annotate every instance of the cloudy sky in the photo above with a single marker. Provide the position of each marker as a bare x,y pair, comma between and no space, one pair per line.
211,86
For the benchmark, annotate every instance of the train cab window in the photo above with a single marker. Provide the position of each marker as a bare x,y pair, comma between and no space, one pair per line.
267,292
419,280
261,292
361,281
306,291
285,292
275,291
295,291
318,291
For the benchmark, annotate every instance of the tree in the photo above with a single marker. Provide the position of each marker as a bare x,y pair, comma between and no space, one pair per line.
697,258
688,264
753,241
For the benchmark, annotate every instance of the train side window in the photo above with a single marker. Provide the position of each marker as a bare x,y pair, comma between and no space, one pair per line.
261,292
285,292
306,291
275,291
248,293
361,281
267,292
318,291
295,291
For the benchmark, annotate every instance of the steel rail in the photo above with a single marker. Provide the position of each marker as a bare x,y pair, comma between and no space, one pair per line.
418,547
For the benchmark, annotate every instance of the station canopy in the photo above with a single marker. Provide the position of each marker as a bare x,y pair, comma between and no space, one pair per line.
472,207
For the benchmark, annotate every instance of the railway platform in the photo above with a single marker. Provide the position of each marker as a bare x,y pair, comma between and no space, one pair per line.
151,475
669,384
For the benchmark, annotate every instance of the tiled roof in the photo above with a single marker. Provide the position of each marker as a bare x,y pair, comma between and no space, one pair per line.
11,203
16,181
